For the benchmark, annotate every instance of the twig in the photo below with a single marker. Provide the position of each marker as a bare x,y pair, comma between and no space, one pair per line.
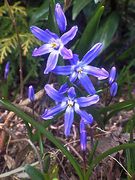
17,170
34,148
71,147
121,166
26,102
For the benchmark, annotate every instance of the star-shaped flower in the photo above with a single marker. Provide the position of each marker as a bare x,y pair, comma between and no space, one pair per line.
54,45
70,104
80,69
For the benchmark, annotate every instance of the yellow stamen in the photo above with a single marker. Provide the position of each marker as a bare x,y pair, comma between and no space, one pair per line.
70,103
79,70
54,45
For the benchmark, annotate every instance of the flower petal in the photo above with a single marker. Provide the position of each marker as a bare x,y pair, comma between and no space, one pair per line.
73,77
68,120
74,60
88,119
31,94
53,35
112,75
97,72
41,34
86,83
6,71
50,113
63,70
87,101
60,18
63,89
68,36
114,89
71,93
91,54
53,93
44,49
66,53
51,62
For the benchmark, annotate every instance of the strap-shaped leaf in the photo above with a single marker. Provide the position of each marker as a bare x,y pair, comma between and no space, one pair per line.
89,32
47,134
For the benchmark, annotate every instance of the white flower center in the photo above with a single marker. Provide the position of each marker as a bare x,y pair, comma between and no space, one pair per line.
70,103
79,70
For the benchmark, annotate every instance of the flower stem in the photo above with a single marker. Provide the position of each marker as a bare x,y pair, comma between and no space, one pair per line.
84,163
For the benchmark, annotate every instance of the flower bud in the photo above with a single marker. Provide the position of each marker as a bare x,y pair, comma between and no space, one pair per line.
31,94
6,70
113,89
112,75
60,18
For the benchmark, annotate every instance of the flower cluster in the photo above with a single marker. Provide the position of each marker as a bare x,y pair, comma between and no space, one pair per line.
77,70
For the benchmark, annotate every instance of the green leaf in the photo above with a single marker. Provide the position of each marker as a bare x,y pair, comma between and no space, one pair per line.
47,134
89,32
34,173
39,13
46,163
51,23
117,107
105,154
130,126
106,32
78,6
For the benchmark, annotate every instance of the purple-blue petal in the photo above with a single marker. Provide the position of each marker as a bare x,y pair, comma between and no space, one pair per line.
50,113
44,49
63,89
73,77
92,54
68,36
53,35
68,120
74,60
72,93
113,89
66,53
51,62
60,18
112,75
53,93
41,34
31,94
100,73
84,115
6,71
86,83
87,101
63,70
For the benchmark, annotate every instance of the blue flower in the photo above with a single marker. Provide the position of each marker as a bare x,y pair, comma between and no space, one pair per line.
54,45
112,83
70,104
60,18
31,94
6,70
113,89
80,69
112,75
